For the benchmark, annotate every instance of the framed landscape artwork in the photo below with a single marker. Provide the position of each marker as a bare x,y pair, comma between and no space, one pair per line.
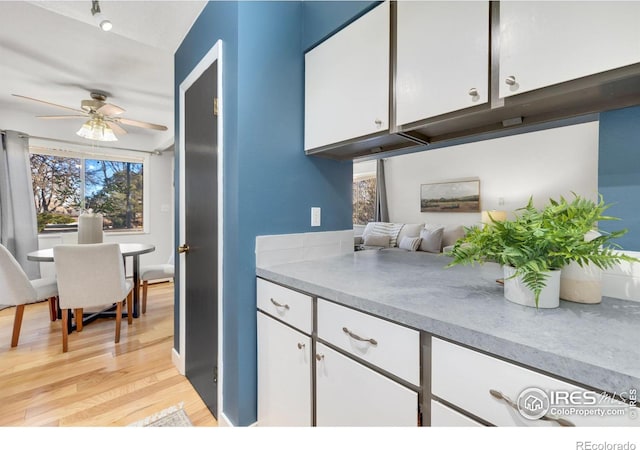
450,196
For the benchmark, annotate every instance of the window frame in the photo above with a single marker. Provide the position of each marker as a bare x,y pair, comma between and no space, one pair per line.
120,156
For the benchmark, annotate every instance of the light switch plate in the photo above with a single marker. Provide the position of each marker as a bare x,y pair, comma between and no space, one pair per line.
315,217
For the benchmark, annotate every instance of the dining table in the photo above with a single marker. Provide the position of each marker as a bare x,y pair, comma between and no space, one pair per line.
127,249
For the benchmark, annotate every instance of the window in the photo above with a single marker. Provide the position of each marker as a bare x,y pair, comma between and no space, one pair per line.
364,199
64,186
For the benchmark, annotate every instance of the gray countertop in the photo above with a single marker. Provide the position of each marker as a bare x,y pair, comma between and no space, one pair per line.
595,345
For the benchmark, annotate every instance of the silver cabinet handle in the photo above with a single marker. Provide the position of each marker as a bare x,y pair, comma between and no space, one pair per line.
378,122
300,345
510,80
279,305
500,396
473,92
319,356
358,338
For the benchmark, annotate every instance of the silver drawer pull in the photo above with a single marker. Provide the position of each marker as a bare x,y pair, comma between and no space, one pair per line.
279,305
300,346
319,356
358,338
500,396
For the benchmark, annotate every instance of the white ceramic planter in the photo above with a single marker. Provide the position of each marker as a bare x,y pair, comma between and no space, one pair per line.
581,284
517,292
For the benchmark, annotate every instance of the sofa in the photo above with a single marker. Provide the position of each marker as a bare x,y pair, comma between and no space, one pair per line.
429,237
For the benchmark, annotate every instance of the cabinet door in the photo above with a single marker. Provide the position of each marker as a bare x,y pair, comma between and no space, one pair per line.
347,82
443,416
350,394
442,58
284,375
544,43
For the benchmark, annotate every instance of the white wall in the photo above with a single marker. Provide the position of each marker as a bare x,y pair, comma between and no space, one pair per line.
543,164
159,211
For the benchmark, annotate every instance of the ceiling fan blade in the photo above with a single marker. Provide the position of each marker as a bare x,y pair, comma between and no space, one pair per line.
61,117
137,123
117,129
48,103
109,110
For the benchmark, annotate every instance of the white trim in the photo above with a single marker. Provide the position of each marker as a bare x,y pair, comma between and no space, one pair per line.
224,422
177,361
215,53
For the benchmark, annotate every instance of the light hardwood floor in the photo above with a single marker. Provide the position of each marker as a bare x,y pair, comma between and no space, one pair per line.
97,383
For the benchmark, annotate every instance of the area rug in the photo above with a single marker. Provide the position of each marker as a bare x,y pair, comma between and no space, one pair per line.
174,416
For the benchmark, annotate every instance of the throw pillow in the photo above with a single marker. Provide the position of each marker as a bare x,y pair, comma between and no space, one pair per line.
431,240
450,234
386,228
410,243
410,230
377,240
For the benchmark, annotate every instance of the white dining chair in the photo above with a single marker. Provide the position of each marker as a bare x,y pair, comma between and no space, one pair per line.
155,272
18,290
91,276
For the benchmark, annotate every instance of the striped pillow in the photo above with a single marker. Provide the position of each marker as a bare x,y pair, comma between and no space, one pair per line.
386,229
409,243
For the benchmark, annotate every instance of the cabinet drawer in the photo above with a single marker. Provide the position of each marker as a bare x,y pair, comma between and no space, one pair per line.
466,378
391,347
287,305
350,394
443,416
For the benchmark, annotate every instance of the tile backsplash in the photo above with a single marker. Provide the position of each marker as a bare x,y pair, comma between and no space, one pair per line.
285,248
623,280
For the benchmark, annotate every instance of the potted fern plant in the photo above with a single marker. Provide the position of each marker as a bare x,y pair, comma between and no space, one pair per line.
535,246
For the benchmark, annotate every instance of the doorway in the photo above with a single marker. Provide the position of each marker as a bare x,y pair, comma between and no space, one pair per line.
201,228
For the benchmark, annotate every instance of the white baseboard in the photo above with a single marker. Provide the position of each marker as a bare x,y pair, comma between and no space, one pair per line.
177,361
224,421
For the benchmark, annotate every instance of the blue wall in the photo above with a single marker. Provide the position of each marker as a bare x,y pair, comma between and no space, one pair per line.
270,185
619,172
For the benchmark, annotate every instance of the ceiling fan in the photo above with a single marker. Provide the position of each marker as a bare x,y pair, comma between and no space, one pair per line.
104,118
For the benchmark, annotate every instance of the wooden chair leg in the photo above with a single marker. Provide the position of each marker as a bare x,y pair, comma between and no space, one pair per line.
130,308
145,284
17,324
53,308
118,320
78,314
65,330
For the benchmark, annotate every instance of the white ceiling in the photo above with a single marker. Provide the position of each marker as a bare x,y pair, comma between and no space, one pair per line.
54,51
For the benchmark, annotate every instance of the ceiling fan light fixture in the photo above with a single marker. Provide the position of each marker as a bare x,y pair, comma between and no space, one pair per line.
97,129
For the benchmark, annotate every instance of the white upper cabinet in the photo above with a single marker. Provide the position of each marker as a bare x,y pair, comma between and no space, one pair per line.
347,82
442,57
548,42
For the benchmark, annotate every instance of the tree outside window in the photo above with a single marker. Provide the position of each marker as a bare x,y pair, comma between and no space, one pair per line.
63,187
364,200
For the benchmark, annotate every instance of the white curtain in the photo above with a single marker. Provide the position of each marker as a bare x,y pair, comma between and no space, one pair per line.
18,225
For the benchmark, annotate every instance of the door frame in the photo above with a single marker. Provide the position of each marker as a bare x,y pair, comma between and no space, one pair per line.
214,54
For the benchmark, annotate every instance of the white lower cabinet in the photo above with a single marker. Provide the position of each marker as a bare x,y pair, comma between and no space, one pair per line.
284,375
506,394
443,416
350,394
